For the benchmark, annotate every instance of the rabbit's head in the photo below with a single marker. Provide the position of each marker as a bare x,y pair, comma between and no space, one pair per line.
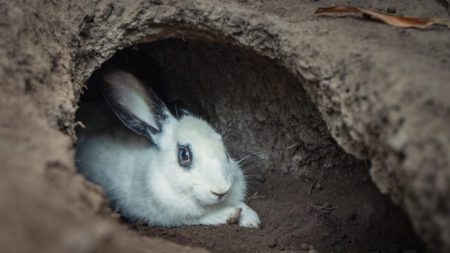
186,151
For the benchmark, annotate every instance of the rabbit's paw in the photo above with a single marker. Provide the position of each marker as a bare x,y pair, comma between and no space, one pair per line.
235,216
249,218
226,215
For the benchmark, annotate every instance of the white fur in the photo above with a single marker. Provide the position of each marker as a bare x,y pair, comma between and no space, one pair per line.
145,182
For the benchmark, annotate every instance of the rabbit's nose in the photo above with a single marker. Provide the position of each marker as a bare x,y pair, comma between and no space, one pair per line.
219,195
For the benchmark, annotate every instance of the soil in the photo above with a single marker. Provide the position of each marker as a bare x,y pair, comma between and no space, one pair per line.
330,219
380,93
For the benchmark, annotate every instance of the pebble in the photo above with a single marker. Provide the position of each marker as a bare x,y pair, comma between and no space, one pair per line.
305,246
391,10
273,244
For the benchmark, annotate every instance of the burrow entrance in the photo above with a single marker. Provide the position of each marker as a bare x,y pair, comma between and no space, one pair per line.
306,189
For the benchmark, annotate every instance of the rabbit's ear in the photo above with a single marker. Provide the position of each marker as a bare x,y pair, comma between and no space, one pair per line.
135,105
178,109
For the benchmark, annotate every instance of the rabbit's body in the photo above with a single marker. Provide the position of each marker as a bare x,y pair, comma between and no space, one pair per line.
145,180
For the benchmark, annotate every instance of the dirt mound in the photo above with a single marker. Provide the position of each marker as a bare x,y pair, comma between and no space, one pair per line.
381,92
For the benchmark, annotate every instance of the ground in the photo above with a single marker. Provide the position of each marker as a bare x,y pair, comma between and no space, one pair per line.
294,223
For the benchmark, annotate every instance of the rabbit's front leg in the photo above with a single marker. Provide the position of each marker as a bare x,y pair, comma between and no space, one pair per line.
225,215
241,214
249,218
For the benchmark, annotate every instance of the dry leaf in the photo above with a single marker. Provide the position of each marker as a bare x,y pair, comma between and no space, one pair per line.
399,21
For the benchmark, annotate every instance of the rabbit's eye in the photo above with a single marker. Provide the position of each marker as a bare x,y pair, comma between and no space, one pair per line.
184,156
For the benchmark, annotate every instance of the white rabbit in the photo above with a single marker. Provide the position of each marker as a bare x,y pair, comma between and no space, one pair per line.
168,171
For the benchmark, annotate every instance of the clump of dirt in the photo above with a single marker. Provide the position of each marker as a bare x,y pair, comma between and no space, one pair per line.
309,193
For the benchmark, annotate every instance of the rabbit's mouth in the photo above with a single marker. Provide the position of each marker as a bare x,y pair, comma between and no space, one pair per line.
209,199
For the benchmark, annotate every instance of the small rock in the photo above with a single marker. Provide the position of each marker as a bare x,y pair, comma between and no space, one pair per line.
318,186
326,205
304,246
260,117
391,10
273,244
